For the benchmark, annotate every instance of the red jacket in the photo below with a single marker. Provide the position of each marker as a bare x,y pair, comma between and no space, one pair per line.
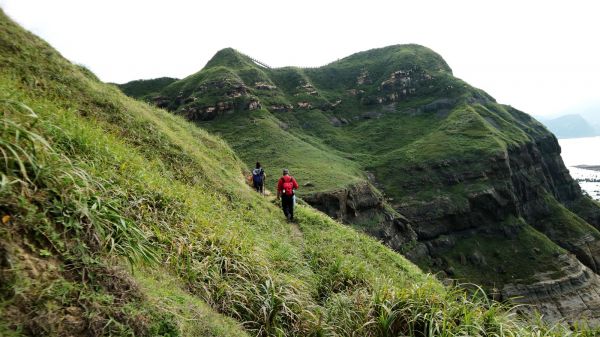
286,179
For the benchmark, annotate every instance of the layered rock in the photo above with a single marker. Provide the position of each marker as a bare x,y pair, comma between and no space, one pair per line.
527,181
363,205
572,296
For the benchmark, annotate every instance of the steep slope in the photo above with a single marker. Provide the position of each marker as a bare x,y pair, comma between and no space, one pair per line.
389,141
120,219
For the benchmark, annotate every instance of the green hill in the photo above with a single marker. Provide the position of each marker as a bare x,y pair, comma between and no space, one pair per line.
388,140
120,219
146,88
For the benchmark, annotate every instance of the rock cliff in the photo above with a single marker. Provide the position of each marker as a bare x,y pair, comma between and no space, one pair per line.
363,206
572,296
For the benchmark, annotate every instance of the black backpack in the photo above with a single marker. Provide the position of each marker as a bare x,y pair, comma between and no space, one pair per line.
258,175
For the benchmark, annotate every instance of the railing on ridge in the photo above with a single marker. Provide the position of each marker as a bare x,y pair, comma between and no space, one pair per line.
262,64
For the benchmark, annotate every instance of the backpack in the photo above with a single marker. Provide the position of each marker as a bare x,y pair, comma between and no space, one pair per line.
288,186
258,175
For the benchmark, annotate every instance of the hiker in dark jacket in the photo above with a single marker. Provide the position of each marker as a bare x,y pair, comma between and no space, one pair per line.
258,178
285,190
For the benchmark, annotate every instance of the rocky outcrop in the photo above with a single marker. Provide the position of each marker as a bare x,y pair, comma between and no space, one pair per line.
264,86
281,108
519,181
205,113
355,92
253,105
161,101
527,181
304,105
337,122
363,205
573,295
308,89
329,106
238,90
363,78
400,84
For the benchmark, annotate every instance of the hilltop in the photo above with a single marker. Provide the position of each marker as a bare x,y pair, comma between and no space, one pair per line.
390,142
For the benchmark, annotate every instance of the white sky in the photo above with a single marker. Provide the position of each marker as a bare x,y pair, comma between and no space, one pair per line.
542,57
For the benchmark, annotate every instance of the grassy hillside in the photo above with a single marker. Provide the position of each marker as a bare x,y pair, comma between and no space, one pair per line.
430,142
346,116
120,219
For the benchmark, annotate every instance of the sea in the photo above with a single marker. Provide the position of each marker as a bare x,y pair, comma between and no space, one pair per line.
583,151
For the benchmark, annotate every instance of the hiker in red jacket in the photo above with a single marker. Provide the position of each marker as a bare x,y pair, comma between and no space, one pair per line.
285,189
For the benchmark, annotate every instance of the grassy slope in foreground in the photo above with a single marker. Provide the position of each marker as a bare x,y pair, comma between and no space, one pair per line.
92,179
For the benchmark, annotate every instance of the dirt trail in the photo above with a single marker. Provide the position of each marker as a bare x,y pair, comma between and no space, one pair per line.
296,232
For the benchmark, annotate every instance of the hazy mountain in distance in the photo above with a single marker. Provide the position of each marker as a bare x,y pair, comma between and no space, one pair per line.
571,126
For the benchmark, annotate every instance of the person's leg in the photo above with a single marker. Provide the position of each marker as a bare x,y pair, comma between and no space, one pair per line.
284,206
288,206
291,211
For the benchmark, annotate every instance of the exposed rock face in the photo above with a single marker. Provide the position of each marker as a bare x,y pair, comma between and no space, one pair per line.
253,105
161,101
206,113
308,88
573,296
337,122
237,91
355,92
361,204
330,106
281,108
363,78
524,177
304,105
264,86
400,84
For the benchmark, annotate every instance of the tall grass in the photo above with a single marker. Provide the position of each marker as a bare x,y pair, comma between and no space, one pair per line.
78,204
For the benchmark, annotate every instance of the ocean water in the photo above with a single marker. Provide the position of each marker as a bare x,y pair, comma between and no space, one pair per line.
583,151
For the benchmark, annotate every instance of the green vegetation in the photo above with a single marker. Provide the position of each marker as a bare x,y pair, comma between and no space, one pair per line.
430,141
515,259
327,169
414,130
120,219
98,190
145,89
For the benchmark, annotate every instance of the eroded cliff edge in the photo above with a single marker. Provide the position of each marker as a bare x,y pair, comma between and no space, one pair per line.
491,236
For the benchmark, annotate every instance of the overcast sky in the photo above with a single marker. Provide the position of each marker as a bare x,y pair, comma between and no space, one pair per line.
542,57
